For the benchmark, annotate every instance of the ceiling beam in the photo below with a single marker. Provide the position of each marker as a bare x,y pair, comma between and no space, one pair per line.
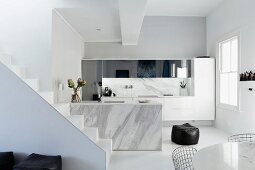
131,19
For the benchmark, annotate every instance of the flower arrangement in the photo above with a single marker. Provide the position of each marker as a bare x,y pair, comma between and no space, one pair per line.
75,96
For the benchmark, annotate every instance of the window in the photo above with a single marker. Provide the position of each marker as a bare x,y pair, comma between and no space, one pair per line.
228,57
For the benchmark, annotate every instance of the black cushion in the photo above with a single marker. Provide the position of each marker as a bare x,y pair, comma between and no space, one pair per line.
40,162
185,134
6,160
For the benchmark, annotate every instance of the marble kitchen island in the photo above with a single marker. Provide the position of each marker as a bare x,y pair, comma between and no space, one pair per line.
132,126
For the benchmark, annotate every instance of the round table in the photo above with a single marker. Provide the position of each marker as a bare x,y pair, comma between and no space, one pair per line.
227,156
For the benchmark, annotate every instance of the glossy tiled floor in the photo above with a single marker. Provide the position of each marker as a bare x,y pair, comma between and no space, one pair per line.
161,160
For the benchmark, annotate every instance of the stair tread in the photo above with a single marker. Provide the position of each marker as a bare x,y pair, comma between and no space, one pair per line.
63,108
91,132
18,70
33,83
105,144
77,120
47,95
74,117
30,79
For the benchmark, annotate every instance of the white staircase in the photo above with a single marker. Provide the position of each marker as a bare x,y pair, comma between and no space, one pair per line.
91,132
21,73
63,108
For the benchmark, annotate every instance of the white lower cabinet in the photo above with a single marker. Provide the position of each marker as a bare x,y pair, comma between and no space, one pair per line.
178,109
175,108
185,108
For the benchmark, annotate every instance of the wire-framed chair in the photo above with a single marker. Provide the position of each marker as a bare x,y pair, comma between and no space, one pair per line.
246,137
182,158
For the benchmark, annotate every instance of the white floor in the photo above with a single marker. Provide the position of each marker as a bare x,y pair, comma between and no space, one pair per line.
161,160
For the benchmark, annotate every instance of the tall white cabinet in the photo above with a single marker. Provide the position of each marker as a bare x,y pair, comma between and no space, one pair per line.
201,104
204,88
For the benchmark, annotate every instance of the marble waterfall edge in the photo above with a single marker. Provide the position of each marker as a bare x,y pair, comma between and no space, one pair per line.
130,126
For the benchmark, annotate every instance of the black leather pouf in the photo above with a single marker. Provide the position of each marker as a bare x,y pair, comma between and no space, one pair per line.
185,134
40,162
6,160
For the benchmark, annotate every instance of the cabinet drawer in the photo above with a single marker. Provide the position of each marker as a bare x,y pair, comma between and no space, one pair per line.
179,114
179,103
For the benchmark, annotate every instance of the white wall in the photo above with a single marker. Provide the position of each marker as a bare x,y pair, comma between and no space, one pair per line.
67,52
25,33
161,37
232,16
29,124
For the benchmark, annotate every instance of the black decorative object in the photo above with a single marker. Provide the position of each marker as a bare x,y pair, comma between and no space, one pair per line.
122,73
146,69
6,160
185,134
242,77
166,69
250,74
183,84
247,76
40,162
253,77
107,92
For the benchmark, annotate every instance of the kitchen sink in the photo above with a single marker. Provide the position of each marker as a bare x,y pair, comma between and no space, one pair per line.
147,96
114,101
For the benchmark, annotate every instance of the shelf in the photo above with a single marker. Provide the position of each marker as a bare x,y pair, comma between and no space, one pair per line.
247,84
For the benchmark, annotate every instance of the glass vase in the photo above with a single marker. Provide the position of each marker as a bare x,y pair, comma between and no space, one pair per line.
75,97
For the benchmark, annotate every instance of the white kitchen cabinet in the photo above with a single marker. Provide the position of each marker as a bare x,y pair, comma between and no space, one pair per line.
179,108
204,88
200,106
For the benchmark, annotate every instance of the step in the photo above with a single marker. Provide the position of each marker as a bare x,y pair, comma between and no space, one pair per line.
63,108
92,133
33,83
19,71
77,120
5,58
106,145
48,96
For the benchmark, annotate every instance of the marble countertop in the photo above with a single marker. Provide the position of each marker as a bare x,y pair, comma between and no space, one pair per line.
116,103
228,156
144,96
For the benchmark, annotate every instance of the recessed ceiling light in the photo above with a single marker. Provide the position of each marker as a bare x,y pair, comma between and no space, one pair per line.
98,29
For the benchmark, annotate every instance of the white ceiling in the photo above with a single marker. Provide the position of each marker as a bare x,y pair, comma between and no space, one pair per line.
87,21
181,7
131,20
121,20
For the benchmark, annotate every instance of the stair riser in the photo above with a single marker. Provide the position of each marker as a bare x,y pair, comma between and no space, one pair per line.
106,145
77,121
48,96
33,83
5,58
64,109
19,71
92,133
